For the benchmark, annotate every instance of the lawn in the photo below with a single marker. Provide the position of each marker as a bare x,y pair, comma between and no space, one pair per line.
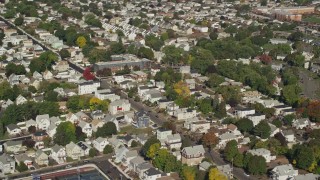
133,130
312,19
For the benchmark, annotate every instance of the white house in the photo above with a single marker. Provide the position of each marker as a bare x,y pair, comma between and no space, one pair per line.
74,151
243,112
58,153
106,94
283,172
289,135
256,118
225,138
47,75
7,164
151,174
13,129
174,141
262,152
43,121
118,106
184,113
100,143
88,87
301,123
21,100
200,126
86,128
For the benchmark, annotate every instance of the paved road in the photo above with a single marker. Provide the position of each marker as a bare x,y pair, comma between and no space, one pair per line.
16,139
138,106
309,85
237,172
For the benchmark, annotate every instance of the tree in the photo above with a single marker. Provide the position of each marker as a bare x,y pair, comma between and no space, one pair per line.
304,157
66,132
210,139
12,68
214,80
215,174
117,48
288,119
107,130
277,123
295,59
51,96
238,160
154,42
205,106
37,65
32,129
145,53
295,36
18,21
147,144
48,58
87,74
213,35
170,125
266,59
290,94
134,144
186,142
188,173
22,167
182,88
107,149
64,53
231,150
93,152
262,129
172,55
105,72
166,161
257,165
152,151
245,125
313,111
81,41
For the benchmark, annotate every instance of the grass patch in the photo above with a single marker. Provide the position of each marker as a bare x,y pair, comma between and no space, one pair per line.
133,130
312,19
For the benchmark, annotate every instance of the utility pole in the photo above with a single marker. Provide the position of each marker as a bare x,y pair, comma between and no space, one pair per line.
231,168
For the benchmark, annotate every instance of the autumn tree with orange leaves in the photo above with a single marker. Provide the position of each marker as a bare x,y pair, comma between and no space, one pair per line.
210,139
313,111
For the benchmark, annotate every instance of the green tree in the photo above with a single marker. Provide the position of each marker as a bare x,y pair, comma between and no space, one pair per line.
288,119
238,160
134,144
205,106
188,172
145,53
66,132
277,123
51,96
231,150
173,55
106,130
295,59
213,35
64,53
262,129
304,157
22,167
93,152
18,21
153,150
290,94
245,125
147,144
107,149
154,42
257,165
214,80
12,68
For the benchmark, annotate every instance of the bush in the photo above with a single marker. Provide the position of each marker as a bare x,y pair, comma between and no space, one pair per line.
107,149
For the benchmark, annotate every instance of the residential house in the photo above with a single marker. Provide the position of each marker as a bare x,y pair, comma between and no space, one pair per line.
205,165
283,172
118,106
141,168
96,123
128,156
306,176
88,87
20,100
100,143
241,112
39,136
13,130
225,138
47,75
173,141
289,135
273,129
192,155
85,147
256,118
280,108
86,128
200,126
191,83
82,117
120,154
74,151
226,170
58,153
97,114
115,143
41,158
301,123
135,162
262,152
151,174
24,158
31,122
106,94
72,118
13,146
163,133
141,119
61,66
184,113
6,104
43,121
7,164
